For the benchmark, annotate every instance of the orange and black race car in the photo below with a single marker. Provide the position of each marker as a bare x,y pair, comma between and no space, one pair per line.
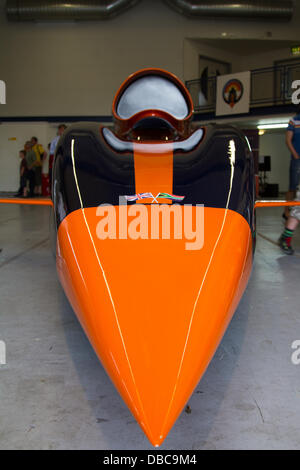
154,239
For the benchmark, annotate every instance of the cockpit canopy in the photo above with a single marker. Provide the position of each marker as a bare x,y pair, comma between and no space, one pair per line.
152,99
152,93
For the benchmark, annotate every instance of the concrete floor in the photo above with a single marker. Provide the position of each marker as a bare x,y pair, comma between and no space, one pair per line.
54,393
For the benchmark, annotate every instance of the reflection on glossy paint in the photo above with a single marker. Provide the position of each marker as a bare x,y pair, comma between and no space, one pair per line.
231,152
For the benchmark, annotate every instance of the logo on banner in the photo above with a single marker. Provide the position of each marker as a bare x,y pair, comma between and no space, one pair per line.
233,92
2,92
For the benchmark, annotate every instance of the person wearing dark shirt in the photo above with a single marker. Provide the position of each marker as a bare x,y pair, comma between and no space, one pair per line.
30,160
22,192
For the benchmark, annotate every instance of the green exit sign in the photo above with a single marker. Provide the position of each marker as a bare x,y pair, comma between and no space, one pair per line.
295,50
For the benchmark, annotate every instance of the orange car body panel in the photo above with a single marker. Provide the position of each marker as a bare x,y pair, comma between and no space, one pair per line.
154,311
153,170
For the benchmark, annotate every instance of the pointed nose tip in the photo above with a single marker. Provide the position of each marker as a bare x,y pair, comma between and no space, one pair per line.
157,416
156,441
154,437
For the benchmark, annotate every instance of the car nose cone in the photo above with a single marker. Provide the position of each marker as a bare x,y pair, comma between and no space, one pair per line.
154,311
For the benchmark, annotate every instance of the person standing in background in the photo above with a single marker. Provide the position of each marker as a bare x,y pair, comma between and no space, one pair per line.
22,192
40,155
293,143
45,166
60,130
31,161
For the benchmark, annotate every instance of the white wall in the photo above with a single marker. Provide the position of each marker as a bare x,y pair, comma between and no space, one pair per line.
274,144
58,69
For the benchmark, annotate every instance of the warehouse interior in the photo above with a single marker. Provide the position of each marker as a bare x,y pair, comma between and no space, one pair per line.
54,392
